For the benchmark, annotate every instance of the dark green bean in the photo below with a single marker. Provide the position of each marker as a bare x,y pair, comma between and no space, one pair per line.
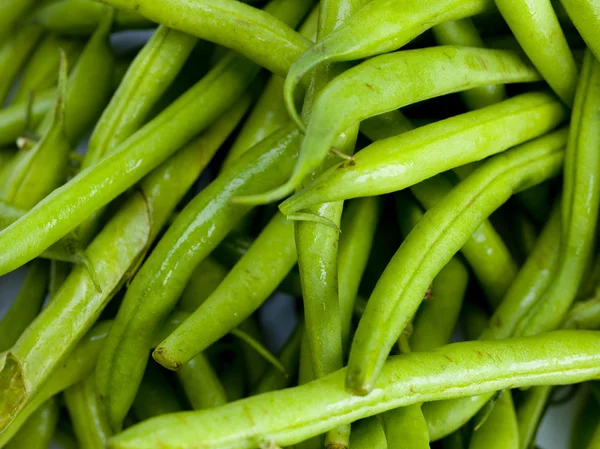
59,271
500,430
155,396
585,422
13,119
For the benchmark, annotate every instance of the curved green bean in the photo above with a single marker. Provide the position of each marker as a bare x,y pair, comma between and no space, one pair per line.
38,430
585,15
460,369
391,81
536,27
405,427
398,162
500,429
580,203
463,32
440,234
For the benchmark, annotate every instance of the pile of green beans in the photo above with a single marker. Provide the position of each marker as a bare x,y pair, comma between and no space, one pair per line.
417,181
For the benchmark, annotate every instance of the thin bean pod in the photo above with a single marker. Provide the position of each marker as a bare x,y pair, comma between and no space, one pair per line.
38,430
536,27
368,434
580,205
206,278
405,427
396,163
399,291
585,15
201,384
529,414
391,81
584,315
59,271
500,429
459,369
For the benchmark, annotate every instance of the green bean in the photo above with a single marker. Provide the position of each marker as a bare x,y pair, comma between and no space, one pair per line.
37,171
529,414
233,378
579,207
405,427
460,369
260,35
368,434
14,53
78,365
463,32
584,315
89,423
38,430
474,320
155,396
249,283
89,85
585,15
41,72
436,318
485,251
526,234
454,441
400,290
585,422
359,224
26,305
206,278
536,27
393,164
201,384
81,17
13,119
391,81
64,437
59,271
94,187
11,13
256,358
198,229
500,429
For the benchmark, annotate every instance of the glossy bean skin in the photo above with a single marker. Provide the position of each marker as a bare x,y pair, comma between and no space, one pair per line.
500,429
13,118
14,53
585,15
463,32
81,17
390,165
89,423
405,427
529,414
249,283
41,71
26,305
385,318
260,36
580,205
536,27
197,230
459,369
39,428
155,396
391,81
94,187
486,253
78,365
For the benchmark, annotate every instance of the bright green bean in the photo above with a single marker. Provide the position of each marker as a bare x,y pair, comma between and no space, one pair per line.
405,427
581,197
536,27
89,423
422,255
529,414
201,384
393,164
155,396
585,15
500,429
463,32
368,434
81,17
460,369
391,81
260,35
38,430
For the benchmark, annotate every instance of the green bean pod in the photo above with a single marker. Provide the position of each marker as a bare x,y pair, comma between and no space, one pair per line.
422,255
15,119
94,187
263,36
500,429
391,81
249,283
196,231
155,396
585,422
79,364
14,53
459,369
486,253
584,315
11,13
201,384
38,430
89,423
536,27
463,32
41,72
580,205
26,305
585,15
81,17
529,414
206,278
405,426
398,162
368,434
